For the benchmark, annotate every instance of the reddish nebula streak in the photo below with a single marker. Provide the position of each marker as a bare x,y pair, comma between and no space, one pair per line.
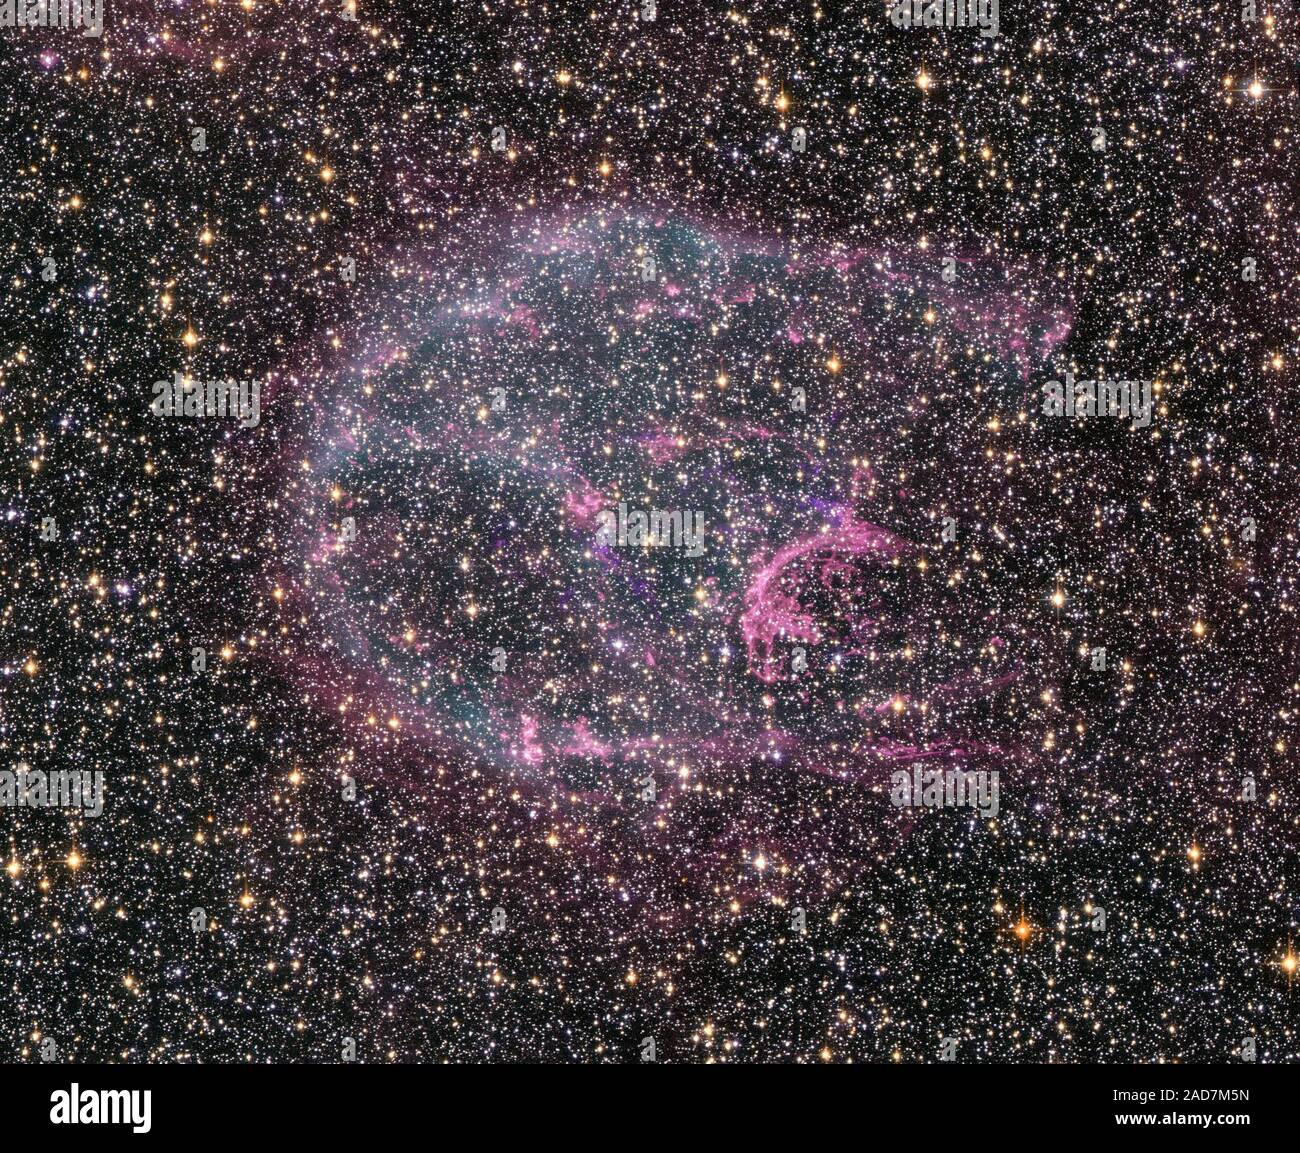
772,614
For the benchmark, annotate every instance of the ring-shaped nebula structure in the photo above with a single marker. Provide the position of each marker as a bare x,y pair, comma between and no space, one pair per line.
738,713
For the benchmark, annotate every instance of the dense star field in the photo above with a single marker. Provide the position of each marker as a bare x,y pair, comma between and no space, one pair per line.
462,773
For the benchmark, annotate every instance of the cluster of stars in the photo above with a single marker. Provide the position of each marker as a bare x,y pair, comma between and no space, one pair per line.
456,778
